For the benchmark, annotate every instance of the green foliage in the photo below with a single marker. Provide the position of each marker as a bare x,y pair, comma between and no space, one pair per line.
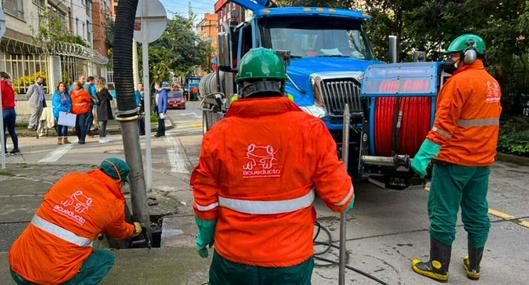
52,28
179,50
514,138
23,82
515,143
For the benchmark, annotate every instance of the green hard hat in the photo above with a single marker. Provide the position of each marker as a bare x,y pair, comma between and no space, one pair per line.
115,168
464,41
261,63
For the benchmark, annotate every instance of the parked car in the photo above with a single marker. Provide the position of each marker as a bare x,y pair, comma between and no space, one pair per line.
176,100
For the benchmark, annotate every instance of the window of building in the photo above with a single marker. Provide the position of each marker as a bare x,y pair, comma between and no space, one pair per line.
89,32
14,7
40,3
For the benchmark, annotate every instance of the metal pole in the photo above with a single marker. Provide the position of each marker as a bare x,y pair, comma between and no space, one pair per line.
131,145
147,101
393,49
2,133
135,64
345,159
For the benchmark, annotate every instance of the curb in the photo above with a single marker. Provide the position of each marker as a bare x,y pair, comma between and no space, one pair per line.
505,157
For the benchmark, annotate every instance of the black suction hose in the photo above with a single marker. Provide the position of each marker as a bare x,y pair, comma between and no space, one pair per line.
126,12
329,244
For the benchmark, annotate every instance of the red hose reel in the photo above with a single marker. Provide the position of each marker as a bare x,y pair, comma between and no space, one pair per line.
415,122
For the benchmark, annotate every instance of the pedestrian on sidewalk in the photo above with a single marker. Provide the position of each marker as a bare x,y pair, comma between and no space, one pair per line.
139,94
56,247
104,109
9,114
61,102
92,90
463,145
81,106
162,109
259,171
37,100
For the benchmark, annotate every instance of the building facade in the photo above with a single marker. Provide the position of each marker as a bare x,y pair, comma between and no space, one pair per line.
207,28
51,38
228,11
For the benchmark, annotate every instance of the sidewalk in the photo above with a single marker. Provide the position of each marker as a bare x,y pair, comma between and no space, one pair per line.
173,266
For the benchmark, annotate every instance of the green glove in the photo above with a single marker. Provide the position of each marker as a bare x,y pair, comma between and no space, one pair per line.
352,205
206,232
426,153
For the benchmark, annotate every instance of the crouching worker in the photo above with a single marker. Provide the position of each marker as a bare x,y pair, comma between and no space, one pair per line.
56,248
259,172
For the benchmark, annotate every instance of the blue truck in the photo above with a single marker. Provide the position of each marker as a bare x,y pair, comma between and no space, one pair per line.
331,64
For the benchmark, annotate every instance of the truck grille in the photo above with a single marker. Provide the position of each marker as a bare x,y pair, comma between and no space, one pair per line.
337,92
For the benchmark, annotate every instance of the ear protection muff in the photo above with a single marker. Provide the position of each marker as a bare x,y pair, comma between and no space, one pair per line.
470,54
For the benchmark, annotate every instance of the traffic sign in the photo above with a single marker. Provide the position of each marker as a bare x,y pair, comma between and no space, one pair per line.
154,21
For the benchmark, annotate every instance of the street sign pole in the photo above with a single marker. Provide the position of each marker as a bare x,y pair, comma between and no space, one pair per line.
153,21
146,100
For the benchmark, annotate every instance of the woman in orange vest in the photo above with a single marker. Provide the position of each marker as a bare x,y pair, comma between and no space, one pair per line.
259,172
56,247
81,106
463,143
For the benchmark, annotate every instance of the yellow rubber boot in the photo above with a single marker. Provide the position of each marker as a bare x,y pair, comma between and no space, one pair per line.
437,267
471,263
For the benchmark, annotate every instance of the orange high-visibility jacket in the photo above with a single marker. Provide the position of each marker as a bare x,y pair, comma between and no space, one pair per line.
81,101
83,204
468,117
259,171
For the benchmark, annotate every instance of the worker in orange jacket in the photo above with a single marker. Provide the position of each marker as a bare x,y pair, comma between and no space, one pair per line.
82,107
259,171
56,247
463,143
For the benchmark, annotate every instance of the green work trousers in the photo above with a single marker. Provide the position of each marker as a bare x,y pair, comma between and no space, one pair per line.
225,272
94,270
454,186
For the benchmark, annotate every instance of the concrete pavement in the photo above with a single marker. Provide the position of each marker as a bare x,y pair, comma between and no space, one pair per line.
386,230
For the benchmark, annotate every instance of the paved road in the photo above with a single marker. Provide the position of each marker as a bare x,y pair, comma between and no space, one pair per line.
386,230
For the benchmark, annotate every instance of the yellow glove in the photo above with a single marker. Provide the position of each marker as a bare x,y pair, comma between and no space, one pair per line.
137,229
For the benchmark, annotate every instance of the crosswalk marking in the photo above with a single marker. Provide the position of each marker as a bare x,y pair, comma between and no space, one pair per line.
58,153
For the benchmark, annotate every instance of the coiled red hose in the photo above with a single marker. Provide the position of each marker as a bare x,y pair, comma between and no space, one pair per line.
415,124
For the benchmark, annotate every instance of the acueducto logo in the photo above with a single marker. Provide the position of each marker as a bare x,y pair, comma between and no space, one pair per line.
261,162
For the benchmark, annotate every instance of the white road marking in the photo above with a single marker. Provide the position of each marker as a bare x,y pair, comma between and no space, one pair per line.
175,155
58,152
190,114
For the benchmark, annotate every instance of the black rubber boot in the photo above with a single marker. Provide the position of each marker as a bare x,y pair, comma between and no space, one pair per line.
437,267
472,261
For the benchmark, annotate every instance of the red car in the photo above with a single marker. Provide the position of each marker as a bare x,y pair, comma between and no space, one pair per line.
176,100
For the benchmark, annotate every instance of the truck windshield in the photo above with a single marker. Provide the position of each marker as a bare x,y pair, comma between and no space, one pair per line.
316,37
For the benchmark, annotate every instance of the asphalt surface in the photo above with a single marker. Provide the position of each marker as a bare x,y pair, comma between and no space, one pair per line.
385,231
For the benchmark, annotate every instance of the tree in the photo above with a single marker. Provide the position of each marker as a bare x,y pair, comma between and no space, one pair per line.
179,50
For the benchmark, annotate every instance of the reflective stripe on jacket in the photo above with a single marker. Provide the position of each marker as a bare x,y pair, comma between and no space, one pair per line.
80,206
468,117
259,171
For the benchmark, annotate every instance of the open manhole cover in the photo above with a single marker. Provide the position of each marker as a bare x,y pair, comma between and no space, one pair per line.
114,151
